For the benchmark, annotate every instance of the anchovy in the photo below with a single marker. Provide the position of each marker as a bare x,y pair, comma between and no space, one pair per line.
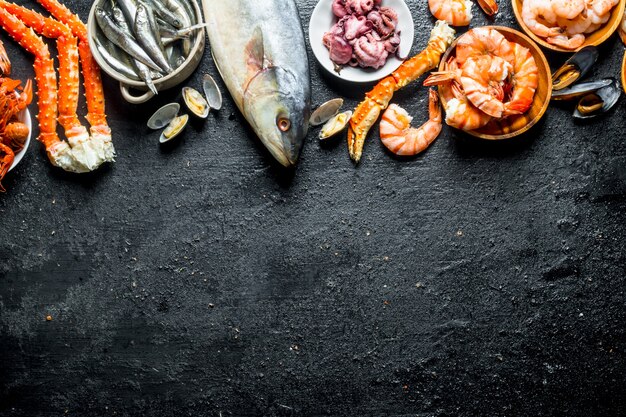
120,38
129,8
260,52
119,62
147,37
174,14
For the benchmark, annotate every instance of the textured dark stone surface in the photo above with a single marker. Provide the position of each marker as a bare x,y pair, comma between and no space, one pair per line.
203,280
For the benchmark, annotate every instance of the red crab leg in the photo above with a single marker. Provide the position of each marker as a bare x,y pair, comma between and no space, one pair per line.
68,66
45,76
91,71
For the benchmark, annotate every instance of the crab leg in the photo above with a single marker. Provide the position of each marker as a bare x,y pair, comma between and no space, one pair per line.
377,100
68,67
46,85
91,73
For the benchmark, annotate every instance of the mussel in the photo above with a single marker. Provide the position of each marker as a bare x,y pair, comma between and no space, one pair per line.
196,103
212,92
582,89
324,112
575,68
163,116
174,129
598,102
335,125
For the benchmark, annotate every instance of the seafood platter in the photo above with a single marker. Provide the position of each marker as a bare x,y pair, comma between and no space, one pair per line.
491,82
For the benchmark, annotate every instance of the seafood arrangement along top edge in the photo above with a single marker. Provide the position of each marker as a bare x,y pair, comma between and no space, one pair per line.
493,82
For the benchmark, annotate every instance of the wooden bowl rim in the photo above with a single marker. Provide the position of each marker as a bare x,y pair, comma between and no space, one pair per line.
624,72
608,29
537,54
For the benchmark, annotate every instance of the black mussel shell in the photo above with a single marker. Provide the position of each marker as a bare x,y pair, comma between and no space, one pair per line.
575,68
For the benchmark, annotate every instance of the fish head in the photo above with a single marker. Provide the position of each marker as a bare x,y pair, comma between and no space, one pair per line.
277,105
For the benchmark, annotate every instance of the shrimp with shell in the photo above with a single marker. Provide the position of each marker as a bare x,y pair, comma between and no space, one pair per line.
459,12
397,134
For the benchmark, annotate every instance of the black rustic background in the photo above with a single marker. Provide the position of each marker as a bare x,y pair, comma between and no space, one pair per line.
201,279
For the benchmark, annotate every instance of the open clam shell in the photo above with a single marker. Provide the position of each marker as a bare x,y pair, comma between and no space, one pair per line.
212,92
196,103
163,116
176,126
326,111
335,125
579,90
575,68
598,102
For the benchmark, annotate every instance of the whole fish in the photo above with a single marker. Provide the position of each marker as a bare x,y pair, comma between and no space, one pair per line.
147,36
121,38
260,53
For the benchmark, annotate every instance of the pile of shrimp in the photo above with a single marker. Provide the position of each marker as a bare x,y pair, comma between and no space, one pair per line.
489,78
565,23
459,12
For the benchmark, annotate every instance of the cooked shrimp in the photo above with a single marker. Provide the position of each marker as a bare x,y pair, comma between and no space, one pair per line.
571,27
482,80
483,41
489,6
400,138
567,42
622,30
601,8
524,81
460,113
569,9
536,11
454,12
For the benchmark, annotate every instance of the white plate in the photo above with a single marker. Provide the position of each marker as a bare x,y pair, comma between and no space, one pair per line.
323,19
24,117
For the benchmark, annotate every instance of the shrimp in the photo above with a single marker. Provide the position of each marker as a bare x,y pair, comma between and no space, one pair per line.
454,12
524,81
569,9
622,30
460,113
483,41
567,42
482,80
571,27
533,10
400,138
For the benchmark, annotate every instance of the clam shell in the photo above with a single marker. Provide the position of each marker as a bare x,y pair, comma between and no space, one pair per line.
196,103
163,116
335,125
326,111
174,129
212,92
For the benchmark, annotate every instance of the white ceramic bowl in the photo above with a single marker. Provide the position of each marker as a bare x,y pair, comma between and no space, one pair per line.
323,19
24,117
169,81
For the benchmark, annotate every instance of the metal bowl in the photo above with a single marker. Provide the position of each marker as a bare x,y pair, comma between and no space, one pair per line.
164,83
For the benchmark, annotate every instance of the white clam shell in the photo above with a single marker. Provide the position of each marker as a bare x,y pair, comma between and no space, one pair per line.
335,125
324,112
196,103
163,116
212,92
174,129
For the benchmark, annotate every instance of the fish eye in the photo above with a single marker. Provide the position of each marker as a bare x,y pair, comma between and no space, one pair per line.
283,124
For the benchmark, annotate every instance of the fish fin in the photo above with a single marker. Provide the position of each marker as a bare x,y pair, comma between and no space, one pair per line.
255,52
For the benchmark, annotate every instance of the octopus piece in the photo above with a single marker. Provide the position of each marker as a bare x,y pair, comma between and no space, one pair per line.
370,51
393,43
384,20
355,26
339,8
361,7
340,50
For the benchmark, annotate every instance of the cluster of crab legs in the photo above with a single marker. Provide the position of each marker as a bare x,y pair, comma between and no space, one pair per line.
84,150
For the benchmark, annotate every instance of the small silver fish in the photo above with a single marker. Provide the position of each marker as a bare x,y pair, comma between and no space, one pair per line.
119,62
129,8
147,37
120,38
173,16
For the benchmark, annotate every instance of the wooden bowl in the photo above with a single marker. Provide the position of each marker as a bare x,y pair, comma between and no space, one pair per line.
624,73
515,125
596,38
